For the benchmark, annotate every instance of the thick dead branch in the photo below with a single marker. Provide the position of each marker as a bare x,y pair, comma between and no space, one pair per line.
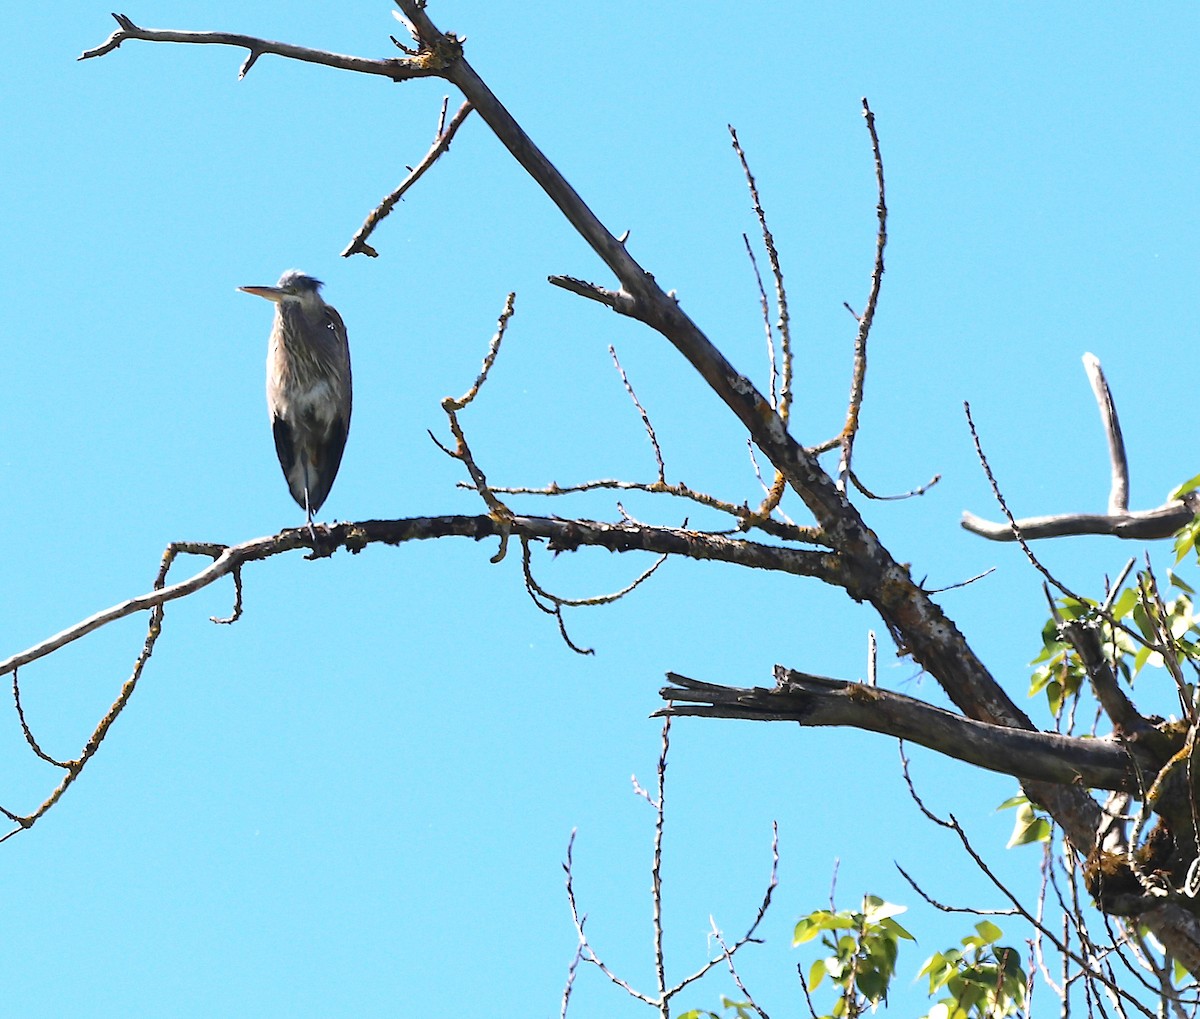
870,572
929,636
1084,636
861,565
817,700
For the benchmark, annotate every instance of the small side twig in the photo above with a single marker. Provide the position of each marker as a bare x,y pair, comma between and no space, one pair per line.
441,143
555,603
781,376
462,450
423,65
33,743
658,457
894,498
859,377
784,403
1012,521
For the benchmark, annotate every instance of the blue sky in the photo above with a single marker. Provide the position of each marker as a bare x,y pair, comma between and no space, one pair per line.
356,800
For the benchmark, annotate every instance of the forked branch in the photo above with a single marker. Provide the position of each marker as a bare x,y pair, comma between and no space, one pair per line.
1120,522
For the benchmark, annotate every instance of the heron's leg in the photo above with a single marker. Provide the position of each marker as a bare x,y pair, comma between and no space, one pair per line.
312,533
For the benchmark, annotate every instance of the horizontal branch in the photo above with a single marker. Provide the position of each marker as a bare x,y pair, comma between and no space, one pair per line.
1161,522
561,536
423,65
817,700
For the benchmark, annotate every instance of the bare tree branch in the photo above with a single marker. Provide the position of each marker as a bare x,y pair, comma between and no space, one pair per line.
1118,498
441,143
1119,521
818,700
428,64
562,536
1161,522
858,381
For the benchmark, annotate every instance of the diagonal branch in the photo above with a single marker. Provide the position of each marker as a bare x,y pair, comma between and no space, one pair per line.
358,243
863,566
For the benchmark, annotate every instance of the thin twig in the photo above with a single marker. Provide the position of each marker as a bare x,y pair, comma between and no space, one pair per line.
859,377
781,380
441,144
571,970
658,457
1012,521
660,805
33,743
589,953
781,302
558,603
462,450
746,518
894,498
766,317
75,768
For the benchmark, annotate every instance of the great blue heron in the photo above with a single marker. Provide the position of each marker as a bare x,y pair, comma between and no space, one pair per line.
308,387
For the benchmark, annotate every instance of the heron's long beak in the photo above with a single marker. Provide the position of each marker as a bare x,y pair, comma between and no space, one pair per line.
270,293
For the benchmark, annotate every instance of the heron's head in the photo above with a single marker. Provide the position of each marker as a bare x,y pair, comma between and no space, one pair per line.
293,285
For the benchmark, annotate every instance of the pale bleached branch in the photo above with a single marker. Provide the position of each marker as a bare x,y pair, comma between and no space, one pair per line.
1118,497
1119,522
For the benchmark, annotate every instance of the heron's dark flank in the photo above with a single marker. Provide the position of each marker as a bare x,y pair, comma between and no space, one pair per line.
308,387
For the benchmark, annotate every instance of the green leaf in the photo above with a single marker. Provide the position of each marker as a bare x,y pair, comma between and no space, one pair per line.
876,909
815,923
1029,827
1125,603
896,931
1175,581
989,931
1187,486
1013,801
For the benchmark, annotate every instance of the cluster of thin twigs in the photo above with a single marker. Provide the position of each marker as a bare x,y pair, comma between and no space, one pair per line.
665,991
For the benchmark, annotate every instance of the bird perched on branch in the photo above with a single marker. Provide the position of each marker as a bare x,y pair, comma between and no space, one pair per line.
308,387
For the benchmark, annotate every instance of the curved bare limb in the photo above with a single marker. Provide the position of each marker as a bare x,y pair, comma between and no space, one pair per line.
1119,522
